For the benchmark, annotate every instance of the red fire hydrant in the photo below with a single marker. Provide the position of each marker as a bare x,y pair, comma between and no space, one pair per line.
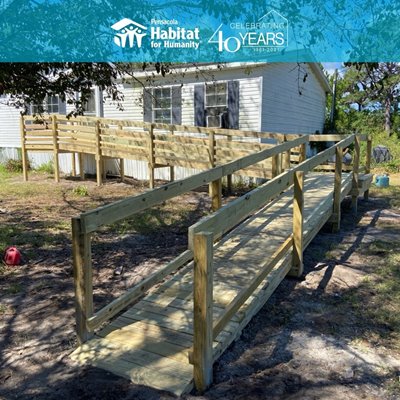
12,256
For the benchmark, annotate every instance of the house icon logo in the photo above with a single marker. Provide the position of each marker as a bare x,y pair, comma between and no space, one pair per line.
278,24
128,33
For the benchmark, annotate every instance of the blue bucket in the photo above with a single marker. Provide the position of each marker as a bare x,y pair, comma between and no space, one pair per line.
382,181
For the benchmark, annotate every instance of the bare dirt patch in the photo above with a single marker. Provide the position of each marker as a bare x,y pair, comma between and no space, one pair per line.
332,335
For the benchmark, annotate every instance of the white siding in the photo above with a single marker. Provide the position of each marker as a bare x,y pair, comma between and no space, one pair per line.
132,104
284,109
250,103
9,126
188,104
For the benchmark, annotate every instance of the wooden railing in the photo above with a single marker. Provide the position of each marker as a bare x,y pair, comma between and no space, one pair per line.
160,145
88,222
203,234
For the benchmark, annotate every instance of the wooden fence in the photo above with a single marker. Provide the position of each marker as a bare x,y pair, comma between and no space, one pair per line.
160,145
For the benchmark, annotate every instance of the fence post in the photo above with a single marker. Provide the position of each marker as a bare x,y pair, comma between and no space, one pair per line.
203,310
286,158
73,162
215,187
368,163
55,148
151,157
121,162
303,153
356,164
298,216
81,166
82,262
275,166
229,177
336,214
171,167
99,161
23,149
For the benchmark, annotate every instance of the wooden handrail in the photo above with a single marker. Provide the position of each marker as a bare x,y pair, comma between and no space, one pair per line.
233,213
131,295
125,208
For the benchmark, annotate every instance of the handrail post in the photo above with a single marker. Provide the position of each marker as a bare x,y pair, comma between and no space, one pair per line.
82,263
99,161
203,310
121,162
73,164
81,166
298,217
229,177
356,165
151,157
215,187
171,167
275,166
286,158
303,153
55,148
336,214
368,163
23,149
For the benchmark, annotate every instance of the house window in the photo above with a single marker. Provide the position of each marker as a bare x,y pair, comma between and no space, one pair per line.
216,103
51,105
90,106
162,105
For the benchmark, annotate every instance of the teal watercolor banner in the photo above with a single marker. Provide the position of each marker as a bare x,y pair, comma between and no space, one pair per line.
199,31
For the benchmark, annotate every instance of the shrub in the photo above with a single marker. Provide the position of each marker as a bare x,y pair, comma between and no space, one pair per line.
47,168
81,191
14,165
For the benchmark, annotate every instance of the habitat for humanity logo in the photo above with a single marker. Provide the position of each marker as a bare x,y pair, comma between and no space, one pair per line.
128,32
268,34
163,34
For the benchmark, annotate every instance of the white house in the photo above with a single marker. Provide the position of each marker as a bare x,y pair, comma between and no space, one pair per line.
276,97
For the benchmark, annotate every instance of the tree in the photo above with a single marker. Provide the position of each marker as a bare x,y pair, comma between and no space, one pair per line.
368,93
375,85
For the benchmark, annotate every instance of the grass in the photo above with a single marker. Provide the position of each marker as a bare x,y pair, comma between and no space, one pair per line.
47,168
376,301
81,190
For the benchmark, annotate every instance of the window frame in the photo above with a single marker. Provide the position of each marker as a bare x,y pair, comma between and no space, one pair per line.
207,107
156,107
46,105
88,112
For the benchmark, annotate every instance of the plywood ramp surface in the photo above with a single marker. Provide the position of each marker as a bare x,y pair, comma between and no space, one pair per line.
149,343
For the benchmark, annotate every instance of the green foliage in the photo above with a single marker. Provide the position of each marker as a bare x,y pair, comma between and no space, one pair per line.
81,190
47,168
367,98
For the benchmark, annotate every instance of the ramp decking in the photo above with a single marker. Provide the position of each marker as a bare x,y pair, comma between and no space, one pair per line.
151,341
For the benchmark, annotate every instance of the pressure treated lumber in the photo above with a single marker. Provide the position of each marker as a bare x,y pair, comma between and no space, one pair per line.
203,310
82,264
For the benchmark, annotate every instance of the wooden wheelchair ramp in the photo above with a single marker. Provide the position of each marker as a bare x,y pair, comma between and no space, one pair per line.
150,343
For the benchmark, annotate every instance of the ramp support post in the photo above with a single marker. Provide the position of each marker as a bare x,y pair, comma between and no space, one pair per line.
336,213
298,217
203,310
82,261
368,163
356,164
55,146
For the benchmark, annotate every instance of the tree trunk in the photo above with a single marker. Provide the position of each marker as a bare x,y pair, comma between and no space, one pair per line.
388,115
